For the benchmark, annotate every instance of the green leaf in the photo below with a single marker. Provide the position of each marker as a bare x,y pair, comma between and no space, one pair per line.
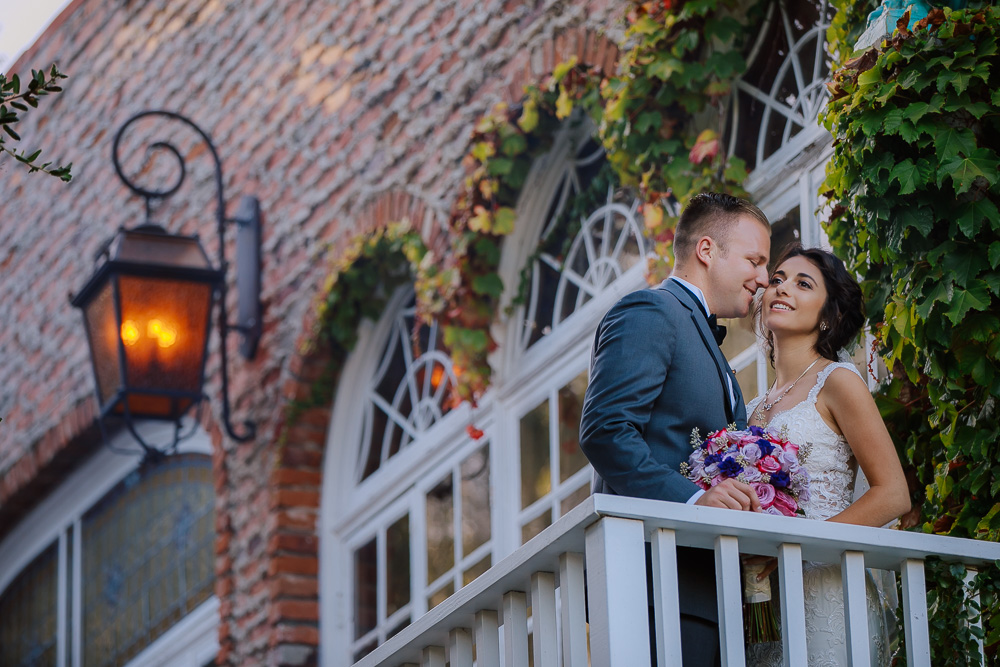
499,166
529,116
503,220
972,215
871,76
906,174
951,141
664,67
892,121
964,264
488,284
942,291
980,162
648,120
995,254
920,217
977,297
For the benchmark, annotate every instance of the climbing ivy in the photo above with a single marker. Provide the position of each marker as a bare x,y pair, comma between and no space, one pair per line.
914,187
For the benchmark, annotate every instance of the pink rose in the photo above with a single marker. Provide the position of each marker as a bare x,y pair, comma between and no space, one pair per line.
765,493
785,503
790,446
769,464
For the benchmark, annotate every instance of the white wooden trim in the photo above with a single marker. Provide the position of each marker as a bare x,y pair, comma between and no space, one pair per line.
191,642
515,629
433,657
666,598
616,580
572,605
460,648
487,638
856,609
545,645
729,591
918,644
793,606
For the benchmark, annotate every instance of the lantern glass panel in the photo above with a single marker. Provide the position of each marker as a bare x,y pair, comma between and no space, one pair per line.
102,328
164,328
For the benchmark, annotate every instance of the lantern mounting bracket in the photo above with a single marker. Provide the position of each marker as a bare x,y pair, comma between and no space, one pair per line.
248,242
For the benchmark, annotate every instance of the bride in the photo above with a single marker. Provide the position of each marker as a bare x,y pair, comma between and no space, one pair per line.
809,312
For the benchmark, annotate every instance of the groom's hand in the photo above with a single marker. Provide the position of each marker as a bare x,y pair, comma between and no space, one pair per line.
731,494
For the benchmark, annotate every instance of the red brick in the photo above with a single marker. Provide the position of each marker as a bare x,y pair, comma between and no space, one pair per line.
297,610
283,586
301,544
295,477
293,565
297,634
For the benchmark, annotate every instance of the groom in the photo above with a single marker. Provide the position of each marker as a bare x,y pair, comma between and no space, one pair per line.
657,373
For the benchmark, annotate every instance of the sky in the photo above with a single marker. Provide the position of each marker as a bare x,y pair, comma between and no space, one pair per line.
21,23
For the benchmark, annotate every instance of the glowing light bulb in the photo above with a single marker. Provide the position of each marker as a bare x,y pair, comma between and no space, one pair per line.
165,335
130,332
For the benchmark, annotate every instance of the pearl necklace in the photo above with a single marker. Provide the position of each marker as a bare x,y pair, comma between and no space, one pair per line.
766,407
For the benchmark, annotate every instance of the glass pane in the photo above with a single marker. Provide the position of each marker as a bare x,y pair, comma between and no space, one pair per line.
475,473
535,526
365,589
440,529
28,614
784,231
574,499
148,557
739,335
365,650
479,568
440,595
747,378
571,457
536,480
397,559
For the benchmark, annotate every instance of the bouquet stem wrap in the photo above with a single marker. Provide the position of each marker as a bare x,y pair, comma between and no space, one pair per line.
759,623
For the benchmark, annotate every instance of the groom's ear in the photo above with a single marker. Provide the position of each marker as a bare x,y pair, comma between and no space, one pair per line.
705,250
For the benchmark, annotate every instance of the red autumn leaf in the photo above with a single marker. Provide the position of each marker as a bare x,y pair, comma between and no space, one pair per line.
705,148
474,432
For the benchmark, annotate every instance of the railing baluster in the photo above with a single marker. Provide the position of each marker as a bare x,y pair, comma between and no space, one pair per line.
543,620
515,629
918,645
793,605
855,609
433,656
729,592
616,580
460,648
572,602
665,598
487,639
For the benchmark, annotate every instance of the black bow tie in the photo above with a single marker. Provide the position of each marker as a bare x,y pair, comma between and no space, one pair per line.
718,330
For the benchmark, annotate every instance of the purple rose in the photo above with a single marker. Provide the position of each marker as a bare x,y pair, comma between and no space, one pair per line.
752,453
765,493
752,474
769,464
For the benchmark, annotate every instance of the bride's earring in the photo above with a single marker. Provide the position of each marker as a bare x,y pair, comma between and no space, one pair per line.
823,326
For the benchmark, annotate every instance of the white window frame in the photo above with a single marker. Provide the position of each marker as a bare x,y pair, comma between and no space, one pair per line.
191,641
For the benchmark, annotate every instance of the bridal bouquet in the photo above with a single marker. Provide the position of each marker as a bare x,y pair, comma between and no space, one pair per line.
768,462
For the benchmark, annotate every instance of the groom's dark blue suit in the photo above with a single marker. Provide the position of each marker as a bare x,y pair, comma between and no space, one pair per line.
656,374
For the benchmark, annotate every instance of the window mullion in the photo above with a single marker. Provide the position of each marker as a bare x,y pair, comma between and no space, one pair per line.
77,596
61,611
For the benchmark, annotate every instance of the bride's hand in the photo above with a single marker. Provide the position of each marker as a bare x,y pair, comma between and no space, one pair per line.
770,564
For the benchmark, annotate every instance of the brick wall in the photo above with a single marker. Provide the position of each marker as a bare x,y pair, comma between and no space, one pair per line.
338,117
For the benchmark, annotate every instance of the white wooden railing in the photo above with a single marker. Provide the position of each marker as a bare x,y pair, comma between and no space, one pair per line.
603,540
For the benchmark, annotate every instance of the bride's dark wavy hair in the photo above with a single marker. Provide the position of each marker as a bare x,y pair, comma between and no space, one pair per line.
843,312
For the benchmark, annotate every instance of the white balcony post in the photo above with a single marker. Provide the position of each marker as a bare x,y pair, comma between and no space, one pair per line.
460,648
616,580
793,605
855,609
729,593
487,639
545,646
918,643
433,656
572,600
666,601
515,629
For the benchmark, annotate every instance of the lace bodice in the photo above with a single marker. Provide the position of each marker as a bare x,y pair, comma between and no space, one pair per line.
826,455
833,474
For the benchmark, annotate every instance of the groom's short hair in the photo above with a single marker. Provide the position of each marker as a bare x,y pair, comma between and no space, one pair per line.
711,214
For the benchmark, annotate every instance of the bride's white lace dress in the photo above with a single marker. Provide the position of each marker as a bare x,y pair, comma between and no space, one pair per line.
833,473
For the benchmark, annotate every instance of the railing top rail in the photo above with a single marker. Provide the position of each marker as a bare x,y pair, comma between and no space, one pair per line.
698,526
695,526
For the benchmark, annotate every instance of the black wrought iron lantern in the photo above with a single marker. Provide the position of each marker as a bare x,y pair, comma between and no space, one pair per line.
148,309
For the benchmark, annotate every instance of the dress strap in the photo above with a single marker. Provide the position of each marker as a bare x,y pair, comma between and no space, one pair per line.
825,373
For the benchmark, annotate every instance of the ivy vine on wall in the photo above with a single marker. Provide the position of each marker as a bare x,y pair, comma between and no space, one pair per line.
914,185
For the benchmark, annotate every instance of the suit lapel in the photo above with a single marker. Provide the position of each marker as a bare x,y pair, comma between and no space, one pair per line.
721,365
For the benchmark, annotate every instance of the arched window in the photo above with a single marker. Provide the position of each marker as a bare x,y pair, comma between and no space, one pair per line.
774,127
426,508
120,566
